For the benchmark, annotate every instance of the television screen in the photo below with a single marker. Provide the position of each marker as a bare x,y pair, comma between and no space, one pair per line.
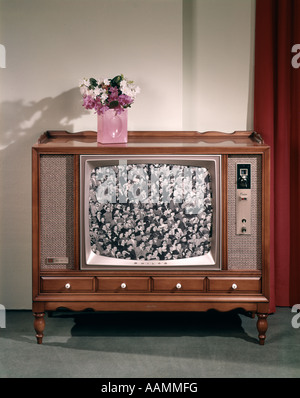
139,211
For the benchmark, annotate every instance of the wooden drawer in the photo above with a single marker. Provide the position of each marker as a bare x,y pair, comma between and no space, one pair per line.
123,285
178,284
53,284
234,285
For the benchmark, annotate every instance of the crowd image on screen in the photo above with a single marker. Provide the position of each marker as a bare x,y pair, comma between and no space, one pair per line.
150,211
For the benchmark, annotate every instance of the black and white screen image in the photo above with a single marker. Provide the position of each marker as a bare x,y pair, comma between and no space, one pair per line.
150,211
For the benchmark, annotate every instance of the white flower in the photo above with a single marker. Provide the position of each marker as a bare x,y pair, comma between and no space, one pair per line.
83,90
97,91
84,82
123,84
129,88
90,93
103,97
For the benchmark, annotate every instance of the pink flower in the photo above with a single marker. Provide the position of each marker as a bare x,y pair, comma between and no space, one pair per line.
99,107
114,93
118,109
125,100
88,102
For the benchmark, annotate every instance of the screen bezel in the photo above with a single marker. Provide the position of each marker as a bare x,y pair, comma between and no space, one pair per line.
209,261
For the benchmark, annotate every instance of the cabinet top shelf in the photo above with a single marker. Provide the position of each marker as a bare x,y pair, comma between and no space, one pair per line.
161,141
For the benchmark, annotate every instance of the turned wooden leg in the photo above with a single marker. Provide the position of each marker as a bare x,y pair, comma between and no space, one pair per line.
262,326
39,326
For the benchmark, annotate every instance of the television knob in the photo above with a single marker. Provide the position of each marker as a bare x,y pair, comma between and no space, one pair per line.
234,286
178,286
244,229
123,285
67,285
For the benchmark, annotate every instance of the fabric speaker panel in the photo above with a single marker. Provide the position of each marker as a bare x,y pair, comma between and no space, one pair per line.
244,251
56,212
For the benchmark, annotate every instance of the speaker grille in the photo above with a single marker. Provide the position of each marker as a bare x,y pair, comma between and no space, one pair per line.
56,210
244,251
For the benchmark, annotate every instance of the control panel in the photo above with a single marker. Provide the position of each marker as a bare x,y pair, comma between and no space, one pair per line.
243,199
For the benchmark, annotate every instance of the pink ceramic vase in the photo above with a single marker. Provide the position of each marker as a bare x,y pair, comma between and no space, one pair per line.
112,127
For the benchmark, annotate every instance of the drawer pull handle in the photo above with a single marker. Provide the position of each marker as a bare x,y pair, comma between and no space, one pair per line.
234,286
178,286
123,285
67,285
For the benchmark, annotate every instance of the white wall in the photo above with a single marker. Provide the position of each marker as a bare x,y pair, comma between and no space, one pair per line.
193,60
218,64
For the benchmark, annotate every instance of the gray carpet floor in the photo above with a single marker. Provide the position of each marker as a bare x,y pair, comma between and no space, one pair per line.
150,345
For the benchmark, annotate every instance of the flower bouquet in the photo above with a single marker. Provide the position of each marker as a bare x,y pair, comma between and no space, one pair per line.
110,98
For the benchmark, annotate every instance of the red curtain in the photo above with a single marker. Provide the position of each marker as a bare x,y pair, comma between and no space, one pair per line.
277,119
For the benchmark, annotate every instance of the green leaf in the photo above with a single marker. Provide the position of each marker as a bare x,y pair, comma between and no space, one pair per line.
115,82
93,82
113,104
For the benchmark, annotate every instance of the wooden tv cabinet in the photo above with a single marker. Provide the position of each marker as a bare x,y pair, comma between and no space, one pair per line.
55,224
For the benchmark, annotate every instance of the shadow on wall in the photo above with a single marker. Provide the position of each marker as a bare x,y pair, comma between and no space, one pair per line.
20,119
21,125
